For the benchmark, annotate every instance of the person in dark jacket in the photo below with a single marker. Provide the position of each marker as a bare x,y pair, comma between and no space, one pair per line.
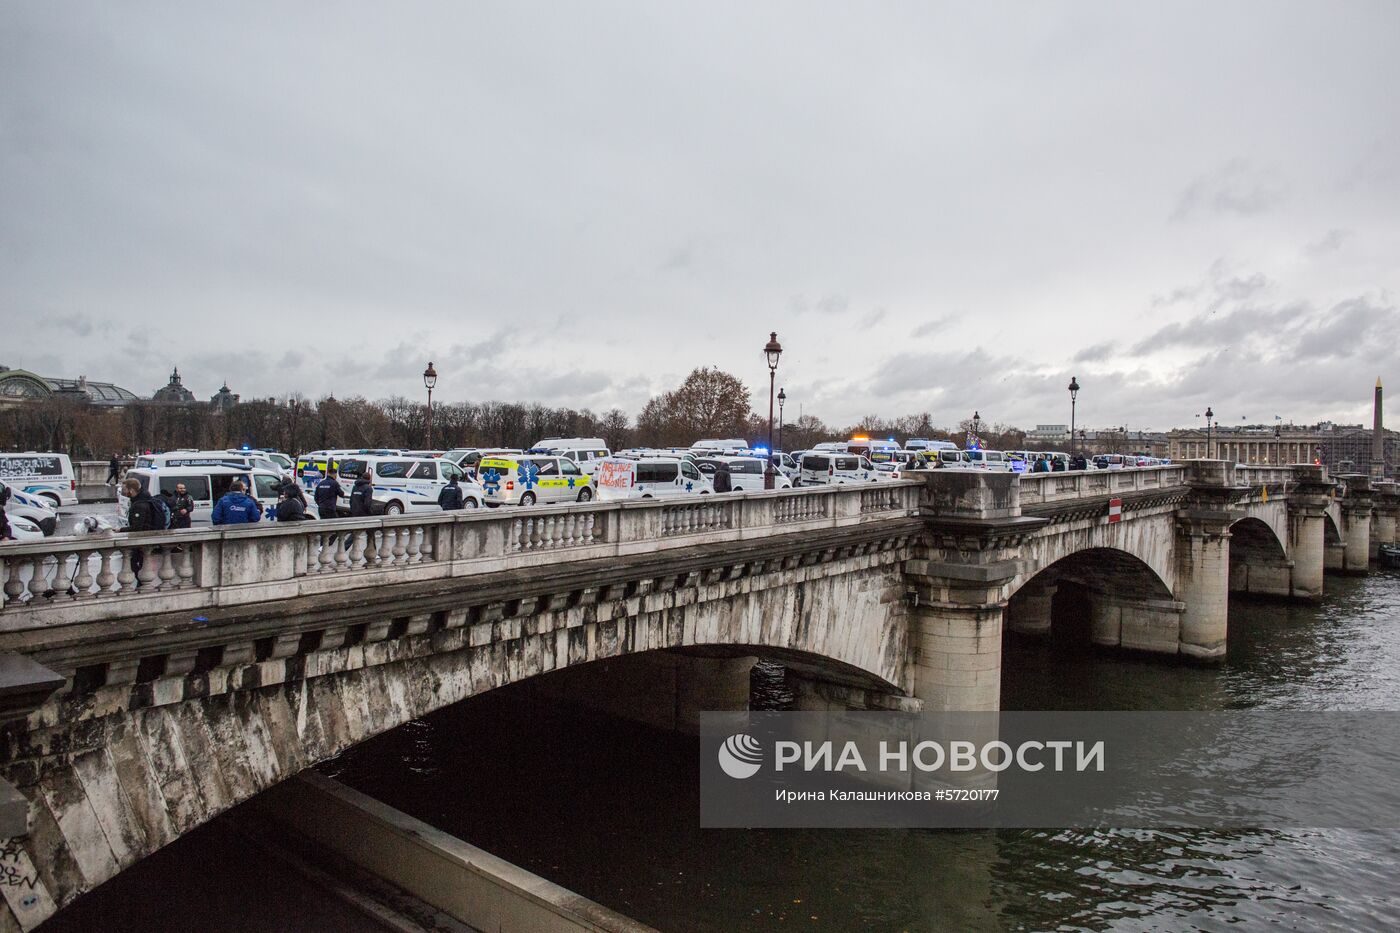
362,495
140,516
236,507
5,533
113,468
721,478
450,498
290,486
181,507
290,508
327,494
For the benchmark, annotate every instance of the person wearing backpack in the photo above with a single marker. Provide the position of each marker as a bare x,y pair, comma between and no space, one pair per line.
328,493
141,515
450,499
362,495
236,507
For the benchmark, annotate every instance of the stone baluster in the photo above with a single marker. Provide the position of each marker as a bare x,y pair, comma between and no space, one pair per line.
373,553
167,573
325,555
38,579
126,577
357,548
13,586
588,523
82,575
106,579
415,547
312,558
398,554
147,574
185,567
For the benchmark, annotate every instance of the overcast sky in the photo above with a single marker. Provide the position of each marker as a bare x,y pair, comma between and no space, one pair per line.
939,207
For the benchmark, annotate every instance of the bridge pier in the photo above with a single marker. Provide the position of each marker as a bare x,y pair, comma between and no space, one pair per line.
1356,533
1030,611
1307,531
956,632
1135,624
1203,580
1385,517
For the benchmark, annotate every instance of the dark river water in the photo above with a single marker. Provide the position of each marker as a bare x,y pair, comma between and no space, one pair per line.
611,809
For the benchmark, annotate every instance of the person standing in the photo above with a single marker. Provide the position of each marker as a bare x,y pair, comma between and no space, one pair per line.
140,516
290,486
327,494
450,498
721,479
362,495
181,507
5,533
236,507
113,468
289,508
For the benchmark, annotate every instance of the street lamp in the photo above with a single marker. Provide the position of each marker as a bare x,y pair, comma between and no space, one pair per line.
430,380
771,351
1073,396
977,428
1210,450
782,400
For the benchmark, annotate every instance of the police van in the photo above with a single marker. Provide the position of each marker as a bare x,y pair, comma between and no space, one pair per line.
832,468
408,484
49,475
206,479
525,479
585,451
745,473
35,509
648,478
247,459
993,460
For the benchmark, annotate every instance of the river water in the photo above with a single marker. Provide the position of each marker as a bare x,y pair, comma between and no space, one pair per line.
610,809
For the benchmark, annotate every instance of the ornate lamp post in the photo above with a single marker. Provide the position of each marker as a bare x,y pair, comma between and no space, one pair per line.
430,380
771,351
1210,449
1073,396
782,400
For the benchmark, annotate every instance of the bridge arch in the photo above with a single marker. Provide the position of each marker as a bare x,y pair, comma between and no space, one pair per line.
160,758
1102,595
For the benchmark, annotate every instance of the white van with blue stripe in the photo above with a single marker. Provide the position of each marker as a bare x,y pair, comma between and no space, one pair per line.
409,484
47,475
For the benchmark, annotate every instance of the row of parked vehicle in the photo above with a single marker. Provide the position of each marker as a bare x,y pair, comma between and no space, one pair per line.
554,470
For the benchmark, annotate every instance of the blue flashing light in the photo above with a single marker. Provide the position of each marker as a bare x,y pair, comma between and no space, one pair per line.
760,450
246,447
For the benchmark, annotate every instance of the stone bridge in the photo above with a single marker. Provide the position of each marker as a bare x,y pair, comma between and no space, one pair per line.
138,712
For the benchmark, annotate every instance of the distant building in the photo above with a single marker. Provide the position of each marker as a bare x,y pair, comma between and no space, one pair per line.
1342,448
1048,434
173,392
19,386
223,400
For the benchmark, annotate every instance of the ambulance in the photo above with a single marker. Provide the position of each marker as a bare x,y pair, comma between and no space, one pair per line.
404,484
584,451
648,478
526,479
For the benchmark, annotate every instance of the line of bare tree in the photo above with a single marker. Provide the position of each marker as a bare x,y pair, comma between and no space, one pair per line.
708,403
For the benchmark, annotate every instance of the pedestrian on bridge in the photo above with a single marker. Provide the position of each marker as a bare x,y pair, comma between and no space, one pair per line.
181,507
141,515
362,495
236,507
722,481
327,494
450,499
113,469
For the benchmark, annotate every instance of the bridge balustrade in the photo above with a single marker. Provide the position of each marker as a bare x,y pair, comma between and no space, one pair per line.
75,579
1042,488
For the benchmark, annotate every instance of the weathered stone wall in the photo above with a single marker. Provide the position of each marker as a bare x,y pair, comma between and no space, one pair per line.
124,769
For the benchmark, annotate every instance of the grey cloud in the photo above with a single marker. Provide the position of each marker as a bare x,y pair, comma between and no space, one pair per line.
874,317
1237,187
1329,242
1098,351
931,328
825,304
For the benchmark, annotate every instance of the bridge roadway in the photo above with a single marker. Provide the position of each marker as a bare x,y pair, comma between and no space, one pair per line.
244,656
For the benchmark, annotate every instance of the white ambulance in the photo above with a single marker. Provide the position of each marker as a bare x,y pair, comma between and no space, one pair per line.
649,478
